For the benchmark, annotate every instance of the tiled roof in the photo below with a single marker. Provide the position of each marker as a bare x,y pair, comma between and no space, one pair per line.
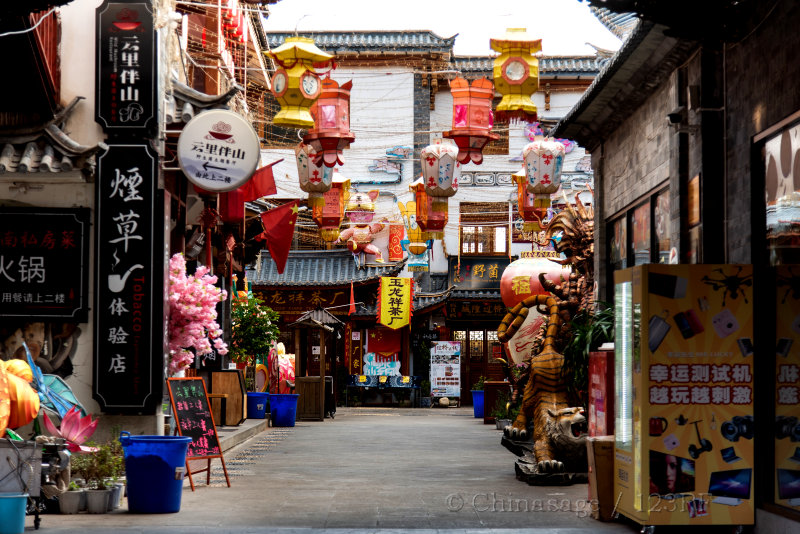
318,317
620,24
548,65
306,268
46,148
421,302
371,41
185,102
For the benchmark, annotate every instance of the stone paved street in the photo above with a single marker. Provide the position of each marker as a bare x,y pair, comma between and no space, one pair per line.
439,470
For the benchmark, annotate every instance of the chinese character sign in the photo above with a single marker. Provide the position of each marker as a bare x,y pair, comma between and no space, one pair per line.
787,389
44,255
129,281
446,369
697,423
394,304
126,66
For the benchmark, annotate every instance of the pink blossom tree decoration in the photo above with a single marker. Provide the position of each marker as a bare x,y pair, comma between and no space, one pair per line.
192,314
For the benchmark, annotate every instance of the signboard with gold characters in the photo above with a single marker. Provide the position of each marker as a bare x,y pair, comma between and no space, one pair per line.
394,305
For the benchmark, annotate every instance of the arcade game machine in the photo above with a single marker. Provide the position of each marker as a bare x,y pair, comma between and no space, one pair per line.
684,395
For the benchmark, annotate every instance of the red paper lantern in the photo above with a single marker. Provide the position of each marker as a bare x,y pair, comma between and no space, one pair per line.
472,118
331,132
329,214
431,211
521,278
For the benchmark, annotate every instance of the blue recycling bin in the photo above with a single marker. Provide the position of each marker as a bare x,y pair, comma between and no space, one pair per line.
257,405
477,403
283,408
12,512
154,469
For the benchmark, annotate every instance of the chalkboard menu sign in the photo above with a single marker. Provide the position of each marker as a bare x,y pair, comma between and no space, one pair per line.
193,415
193,418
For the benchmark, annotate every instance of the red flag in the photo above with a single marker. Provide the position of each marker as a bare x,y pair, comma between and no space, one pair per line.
261,184
278,231
352,309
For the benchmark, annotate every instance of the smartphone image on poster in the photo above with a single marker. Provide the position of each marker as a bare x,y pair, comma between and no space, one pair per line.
783,346
658,329
745,346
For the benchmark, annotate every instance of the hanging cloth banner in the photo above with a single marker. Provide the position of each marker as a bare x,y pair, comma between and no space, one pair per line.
384,341
395,296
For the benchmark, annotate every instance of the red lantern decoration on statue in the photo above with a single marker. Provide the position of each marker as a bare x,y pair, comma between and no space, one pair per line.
472,118
520,279
431,210
329,214
331,132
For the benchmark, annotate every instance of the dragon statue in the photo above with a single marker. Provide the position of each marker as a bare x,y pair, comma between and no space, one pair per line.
558,449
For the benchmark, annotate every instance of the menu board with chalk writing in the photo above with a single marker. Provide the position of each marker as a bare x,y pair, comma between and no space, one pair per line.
193,416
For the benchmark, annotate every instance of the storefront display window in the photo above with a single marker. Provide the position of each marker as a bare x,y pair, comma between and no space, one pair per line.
661,226
640,224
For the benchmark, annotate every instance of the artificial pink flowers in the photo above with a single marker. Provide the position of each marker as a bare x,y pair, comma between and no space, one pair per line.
192,314
74,429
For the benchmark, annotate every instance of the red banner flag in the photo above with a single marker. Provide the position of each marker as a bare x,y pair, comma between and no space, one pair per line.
384,340
352,309
261,184
278,231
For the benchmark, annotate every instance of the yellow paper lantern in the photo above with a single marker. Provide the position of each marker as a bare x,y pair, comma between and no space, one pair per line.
295,84
516,74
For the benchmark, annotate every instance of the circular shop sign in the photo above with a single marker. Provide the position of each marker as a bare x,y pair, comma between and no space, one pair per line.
218,150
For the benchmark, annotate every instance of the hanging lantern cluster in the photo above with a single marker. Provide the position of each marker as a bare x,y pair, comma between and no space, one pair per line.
234,23
329,213
331,132
543,160
295,83
472,118
440,173
516,74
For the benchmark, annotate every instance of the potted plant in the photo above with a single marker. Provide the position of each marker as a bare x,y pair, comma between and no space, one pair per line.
500,411
477,397
254,329
96,468
590,329
425,394
69,502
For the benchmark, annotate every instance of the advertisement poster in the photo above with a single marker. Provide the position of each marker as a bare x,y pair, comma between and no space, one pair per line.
693,422
446,369
787,389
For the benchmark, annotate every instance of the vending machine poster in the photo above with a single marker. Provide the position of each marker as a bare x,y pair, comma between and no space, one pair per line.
698,420
787,389
446,369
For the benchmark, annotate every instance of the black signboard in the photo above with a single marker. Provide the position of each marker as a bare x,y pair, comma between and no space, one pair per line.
130,261
480,272
126,67
192,412
44,263
193,417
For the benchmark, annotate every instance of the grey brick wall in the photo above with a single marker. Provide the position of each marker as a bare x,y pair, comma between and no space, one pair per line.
422,119
762,74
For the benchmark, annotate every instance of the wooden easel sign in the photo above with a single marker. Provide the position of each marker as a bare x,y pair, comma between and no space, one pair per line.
194,419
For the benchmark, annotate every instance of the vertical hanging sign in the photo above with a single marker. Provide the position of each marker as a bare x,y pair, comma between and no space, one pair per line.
395,296
126,67
129,281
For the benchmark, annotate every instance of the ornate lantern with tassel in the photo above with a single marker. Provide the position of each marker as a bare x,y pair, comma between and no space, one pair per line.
543,159
329,214
431,211
472,118
315,178
331,132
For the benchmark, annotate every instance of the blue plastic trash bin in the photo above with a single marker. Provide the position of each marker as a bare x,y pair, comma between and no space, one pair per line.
257,405
477,403
283,408
12,513
154,468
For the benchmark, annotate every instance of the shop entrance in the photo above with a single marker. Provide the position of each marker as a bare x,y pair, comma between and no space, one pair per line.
479,352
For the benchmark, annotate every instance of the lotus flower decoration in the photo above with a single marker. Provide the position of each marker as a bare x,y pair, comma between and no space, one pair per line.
75,429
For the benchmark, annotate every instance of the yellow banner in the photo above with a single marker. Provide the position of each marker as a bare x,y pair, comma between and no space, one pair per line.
394,308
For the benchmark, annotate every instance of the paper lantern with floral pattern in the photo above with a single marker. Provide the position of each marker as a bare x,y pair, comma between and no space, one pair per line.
329,214
440,169
315,179
431,211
